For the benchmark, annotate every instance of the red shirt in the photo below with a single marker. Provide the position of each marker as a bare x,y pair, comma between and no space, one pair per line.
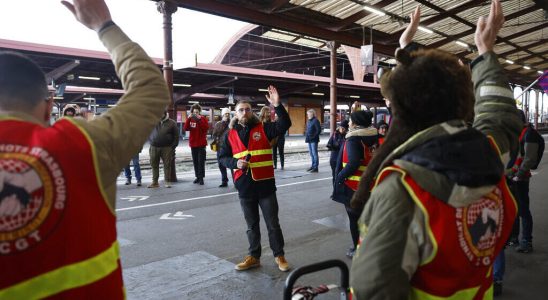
197,128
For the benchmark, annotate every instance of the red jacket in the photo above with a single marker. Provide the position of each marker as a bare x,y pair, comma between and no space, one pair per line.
197,128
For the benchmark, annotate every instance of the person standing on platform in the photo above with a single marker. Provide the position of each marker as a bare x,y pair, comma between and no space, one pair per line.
219,131
197,125
336,141
163,140
352,160
136,170
279,147
436,212
312,138
58,218
247,149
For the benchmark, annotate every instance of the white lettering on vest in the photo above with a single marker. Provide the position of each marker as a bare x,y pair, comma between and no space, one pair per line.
4,248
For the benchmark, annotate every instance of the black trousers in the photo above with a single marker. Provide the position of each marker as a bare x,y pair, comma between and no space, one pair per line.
198,159
279,147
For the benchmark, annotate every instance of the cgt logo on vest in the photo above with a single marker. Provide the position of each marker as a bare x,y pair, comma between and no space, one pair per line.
479,227
257,136
32,196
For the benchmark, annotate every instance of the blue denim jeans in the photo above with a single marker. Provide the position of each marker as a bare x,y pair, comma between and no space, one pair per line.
522,188
499,267
269,208
313,150
136,168
224,176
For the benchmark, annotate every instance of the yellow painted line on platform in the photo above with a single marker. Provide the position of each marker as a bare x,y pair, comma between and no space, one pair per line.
213,196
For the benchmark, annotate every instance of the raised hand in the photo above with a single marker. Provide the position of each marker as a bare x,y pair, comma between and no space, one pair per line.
92,13
488,28
273,97
407,36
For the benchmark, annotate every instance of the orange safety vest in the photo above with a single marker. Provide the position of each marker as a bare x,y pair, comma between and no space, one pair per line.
260,163
57,232
354,180
465,240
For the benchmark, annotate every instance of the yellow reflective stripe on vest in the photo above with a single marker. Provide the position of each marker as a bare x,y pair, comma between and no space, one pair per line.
417,294
65,278
361,168
261,152
253,152
355,178
262,164
240,154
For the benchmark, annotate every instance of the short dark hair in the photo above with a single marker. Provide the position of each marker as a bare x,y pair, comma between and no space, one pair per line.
195,106
22,82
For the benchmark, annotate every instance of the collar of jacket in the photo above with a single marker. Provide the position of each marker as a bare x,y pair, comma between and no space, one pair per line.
250,123
359,131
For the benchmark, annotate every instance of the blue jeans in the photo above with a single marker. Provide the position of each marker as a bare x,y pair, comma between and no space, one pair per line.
499,267
522,188
224,176
313,150
136,168
269,208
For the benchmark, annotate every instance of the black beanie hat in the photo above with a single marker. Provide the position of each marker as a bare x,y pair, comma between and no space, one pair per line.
344,124
361,118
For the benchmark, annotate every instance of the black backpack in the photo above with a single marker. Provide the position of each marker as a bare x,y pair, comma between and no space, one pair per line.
532,136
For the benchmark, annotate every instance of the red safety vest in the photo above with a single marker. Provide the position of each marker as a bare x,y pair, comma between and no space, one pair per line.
354,180
466,241
57,232
260,163
381,140
519,159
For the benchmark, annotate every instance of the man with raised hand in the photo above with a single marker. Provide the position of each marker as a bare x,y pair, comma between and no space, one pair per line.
61,242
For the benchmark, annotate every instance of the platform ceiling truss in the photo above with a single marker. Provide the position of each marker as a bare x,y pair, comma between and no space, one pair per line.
523,39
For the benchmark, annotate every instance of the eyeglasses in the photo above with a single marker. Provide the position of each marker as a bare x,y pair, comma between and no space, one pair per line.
247,109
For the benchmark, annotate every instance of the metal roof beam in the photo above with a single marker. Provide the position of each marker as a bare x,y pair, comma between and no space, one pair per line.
346,22
276,4
471,31
62,70
298,89
179,97
256,17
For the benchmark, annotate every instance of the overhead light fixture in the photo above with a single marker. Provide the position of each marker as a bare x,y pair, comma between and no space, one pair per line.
527,67
89,98
260,104
89,78
111,105
540,72
465,45
193,102
427,30
182,84
263,90
375,11
58,97
318,94
509,61
355,97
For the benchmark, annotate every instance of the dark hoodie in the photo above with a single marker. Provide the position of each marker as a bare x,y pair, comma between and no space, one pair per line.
246,186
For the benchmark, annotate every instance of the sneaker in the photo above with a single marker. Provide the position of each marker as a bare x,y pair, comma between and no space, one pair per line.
350,253
310,169
138,182
497,288
282,263
128,182
201,181
224,184
196,180
512,243
154,185
167,185
525,247
315,170
248,263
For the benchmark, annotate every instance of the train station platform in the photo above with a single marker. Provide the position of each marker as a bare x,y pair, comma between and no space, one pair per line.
183,242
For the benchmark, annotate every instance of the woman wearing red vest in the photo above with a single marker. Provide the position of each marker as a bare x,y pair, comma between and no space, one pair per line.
352,161
439,210
58,236
247,150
